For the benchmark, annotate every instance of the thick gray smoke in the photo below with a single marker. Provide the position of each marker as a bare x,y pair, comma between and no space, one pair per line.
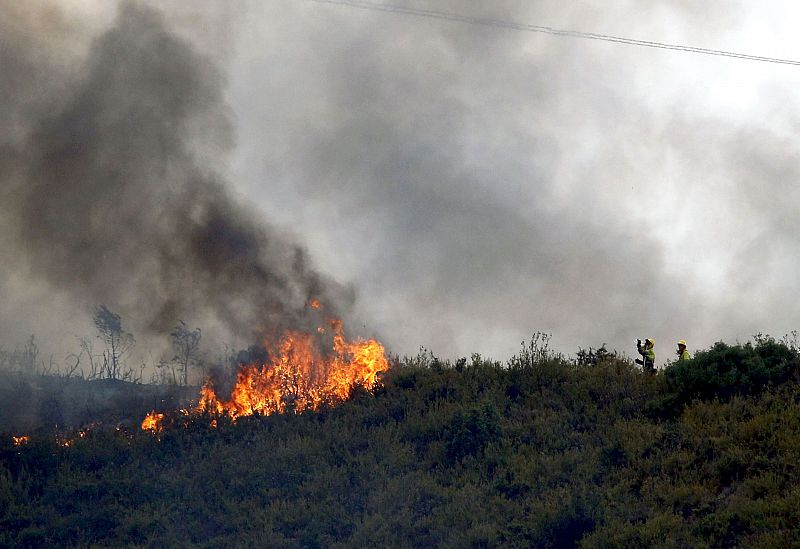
497,182
475,184
114,193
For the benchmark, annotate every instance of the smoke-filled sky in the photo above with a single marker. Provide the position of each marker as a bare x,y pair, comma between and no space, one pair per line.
450,186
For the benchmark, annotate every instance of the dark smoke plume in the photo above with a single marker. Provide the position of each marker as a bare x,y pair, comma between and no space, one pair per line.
115,195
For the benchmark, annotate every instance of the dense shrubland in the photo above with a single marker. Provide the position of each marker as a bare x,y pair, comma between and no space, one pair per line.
541,451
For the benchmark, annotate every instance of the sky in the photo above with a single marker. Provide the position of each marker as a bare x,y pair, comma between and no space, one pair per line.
450,186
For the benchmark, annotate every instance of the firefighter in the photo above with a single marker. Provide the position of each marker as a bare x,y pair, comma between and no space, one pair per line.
648,360
682,353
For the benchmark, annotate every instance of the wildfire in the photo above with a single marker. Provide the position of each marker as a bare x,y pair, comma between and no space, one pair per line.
19,441
153,422
297,377
66,442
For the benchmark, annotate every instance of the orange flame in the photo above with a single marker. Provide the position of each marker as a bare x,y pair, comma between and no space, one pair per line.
19,441
299,377
153,422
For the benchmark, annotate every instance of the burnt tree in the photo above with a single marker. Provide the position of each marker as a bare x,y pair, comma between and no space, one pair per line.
186,343
118,341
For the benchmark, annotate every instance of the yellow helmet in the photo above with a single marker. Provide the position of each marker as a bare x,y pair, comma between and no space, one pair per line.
652,341
682,342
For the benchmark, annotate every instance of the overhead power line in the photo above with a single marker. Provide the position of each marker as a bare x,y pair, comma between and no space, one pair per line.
513,25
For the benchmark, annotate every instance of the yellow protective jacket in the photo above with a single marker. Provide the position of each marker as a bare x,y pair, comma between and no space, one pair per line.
649,356
684,355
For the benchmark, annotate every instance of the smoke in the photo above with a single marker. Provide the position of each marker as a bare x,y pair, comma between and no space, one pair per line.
492,183
114,189
475,184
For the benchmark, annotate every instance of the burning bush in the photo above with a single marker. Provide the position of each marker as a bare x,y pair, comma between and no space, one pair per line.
296,376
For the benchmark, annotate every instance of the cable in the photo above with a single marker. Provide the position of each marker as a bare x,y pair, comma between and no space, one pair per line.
499,23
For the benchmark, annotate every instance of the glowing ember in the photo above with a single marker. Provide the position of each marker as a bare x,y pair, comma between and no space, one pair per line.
299,377
153,422
66,442
19,441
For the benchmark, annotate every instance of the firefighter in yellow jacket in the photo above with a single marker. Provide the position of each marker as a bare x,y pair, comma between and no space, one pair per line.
648,360
682,353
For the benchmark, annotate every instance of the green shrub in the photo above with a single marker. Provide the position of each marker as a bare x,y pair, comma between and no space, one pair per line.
540,452
469,433
727,370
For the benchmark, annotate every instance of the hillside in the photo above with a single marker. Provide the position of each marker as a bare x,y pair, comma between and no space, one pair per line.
540,452
29,402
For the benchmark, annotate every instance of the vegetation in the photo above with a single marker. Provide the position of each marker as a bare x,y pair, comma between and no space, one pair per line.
118,342
186,343
540,452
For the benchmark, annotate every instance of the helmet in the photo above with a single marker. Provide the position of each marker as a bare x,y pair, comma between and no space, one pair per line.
651,341
682,342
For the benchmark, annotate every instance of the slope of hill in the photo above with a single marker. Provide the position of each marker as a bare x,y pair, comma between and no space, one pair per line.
29,401
540,452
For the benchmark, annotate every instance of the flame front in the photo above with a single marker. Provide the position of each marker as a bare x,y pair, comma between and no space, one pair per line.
153,422
299,377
